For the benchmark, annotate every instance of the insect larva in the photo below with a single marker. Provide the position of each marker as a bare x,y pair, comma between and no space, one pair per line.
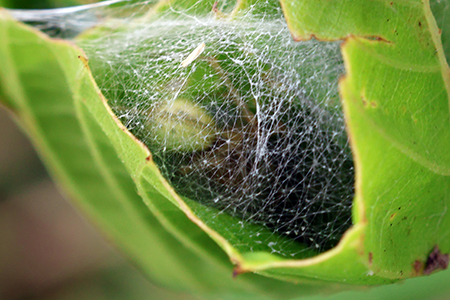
196,53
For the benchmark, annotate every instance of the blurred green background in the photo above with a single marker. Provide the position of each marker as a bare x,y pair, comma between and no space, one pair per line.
48,251
36,4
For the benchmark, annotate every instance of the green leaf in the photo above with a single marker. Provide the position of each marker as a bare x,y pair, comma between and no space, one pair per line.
395,97
377,41
48,86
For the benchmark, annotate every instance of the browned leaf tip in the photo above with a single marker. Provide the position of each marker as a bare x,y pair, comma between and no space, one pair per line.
436,261
418,267
238,271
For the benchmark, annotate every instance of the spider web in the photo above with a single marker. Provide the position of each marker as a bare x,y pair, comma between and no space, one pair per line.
239,118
